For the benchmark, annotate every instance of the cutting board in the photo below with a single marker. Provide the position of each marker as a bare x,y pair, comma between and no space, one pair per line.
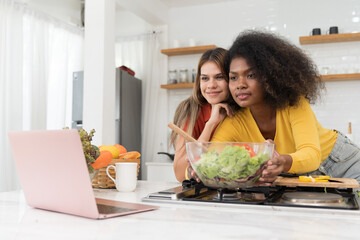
294,182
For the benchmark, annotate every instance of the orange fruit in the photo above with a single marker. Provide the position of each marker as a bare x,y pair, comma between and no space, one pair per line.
103,160
114,150
121,148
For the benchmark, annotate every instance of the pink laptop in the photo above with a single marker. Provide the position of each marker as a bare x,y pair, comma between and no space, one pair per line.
53,174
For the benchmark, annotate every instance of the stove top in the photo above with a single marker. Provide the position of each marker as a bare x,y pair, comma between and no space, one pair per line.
309,197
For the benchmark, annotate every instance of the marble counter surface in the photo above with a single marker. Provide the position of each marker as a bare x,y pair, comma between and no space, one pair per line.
175,221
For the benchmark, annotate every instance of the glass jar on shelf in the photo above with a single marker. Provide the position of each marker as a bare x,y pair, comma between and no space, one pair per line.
193,75
173,77
183,76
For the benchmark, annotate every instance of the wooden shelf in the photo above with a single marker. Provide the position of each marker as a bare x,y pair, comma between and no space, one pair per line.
341,77
331,38
325,78
177,85
187,50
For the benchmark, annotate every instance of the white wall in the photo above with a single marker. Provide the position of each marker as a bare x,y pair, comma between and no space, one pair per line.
219,24
65,10
128,24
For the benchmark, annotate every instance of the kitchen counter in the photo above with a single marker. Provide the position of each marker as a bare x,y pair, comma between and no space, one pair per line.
160,171
176,221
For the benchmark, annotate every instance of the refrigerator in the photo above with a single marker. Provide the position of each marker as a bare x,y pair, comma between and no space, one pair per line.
77,100
128,95
127,108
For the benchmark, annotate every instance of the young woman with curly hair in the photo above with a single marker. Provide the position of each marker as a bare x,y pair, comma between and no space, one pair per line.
209,104
274,83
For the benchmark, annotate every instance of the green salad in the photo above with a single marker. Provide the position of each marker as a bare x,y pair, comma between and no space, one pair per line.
234,163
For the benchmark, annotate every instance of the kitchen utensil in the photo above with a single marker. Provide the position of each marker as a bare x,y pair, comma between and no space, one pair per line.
229,165
294,182
185,135
290,175
181,132
333,30
313,198
126,176
171,156
102,180
281,196
316,31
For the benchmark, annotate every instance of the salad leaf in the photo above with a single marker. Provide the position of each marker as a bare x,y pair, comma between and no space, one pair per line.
232,163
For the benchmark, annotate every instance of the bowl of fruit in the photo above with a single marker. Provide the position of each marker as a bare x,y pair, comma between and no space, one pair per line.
230,165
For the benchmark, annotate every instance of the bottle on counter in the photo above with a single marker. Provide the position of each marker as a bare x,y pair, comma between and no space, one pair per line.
349,134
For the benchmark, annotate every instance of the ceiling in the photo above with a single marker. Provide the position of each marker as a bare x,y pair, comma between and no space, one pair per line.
155,12
186,3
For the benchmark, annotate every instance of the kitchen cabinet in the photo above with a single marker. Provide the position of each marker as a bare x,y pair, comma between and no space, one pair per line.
160,171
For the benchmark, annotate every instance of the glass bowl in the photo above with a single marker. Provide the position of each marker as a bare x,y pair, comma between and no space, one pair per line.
229,165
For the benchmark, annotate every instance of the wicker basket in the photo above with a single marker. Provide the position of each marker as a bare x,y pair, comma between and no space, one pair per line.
101,180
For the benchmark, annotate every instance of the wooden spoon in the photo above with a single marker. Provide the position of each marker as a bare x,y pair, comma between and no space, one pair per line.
181,132
185,135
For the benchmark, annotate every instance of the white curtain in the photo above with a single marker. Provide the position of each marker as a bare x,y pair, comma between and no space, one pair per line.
142,54
37,57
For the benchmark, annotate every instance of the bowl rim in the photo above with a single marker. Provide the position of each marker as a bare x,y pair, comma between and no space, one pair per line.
265,143
191,162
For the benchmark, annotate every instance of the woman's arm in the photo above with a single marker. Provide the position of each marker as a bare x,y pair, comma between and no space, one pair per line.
180,163
218,113
302,124
307,156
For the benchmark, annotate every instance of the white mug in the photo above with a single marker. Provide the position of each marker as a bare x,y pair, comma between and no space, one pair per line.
125,176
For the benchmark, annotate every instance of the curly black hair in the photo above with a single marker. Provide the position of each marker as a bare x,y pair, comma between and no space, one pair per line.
285,72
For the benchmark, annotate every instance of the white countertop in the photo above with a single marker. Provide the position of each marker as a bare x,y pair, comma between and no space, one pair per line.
176,221
159,164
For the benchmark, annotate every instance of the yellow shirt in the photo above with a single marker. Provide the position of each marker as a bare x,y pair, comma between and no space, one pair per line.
298,133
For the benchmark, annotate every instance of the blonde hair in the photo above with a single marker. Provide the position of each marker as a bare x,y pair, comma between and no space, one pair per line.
189,109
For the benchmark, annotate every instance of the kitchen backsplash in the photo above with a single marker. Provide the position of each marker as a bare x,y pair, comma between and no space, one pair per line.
335,58
341,100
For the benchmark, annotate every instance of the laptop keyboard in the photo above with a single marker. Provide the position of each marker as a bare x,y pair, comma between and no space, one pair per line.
106,209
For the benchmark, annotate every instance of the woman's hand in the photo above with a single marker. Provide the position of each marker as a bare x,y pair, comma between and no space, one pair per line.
190,171
219,112
275,166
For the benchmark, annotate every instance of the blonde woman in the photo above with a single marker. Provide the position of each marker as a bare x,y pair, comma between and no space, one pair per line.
200,114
